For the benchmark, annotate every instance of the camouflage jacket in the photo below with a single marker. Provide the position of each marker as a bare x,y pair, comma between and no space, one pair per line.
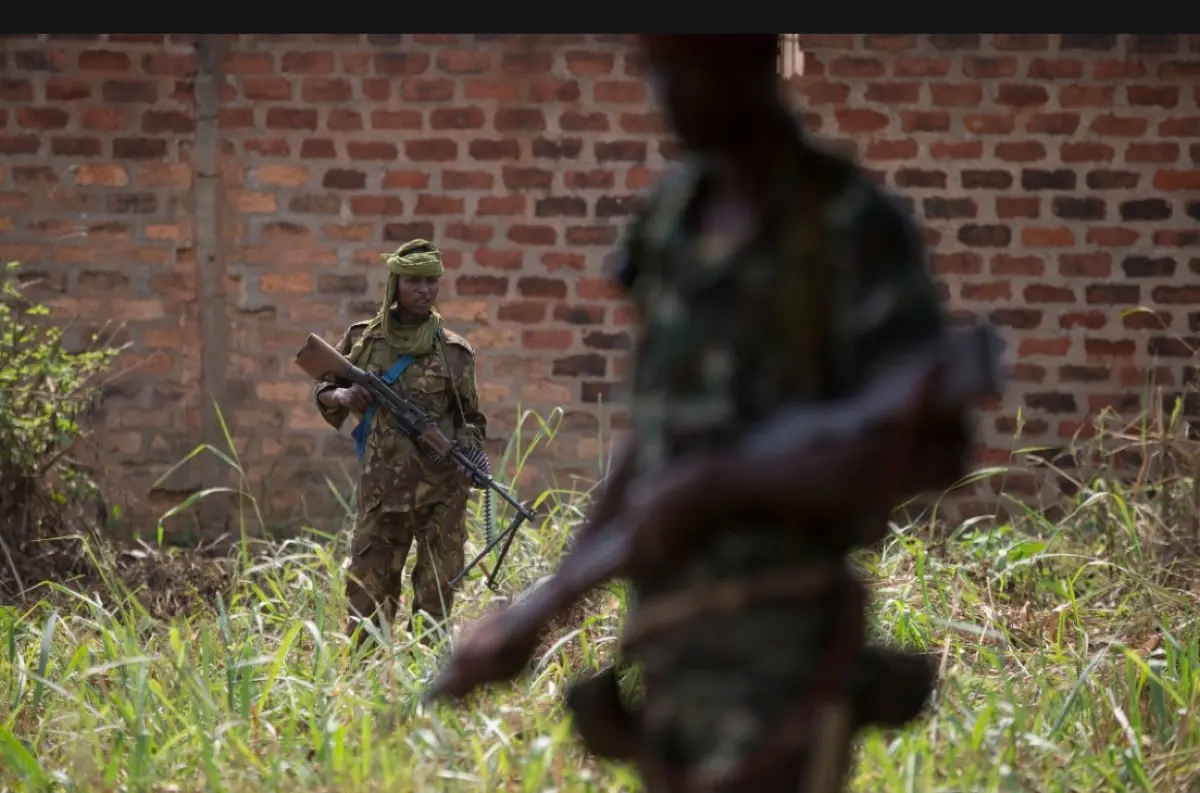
395,476
832,283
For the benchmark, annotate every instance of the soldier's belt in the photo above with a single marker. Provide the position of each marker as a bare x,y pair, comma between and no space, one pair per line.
731,597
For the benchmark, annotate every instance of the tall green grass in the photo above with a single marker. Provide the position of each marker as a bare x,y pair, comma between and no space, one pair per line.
1069,648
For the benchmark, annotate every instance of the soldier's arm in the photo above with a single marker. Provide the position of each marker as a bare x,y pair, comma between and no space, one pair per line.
470,427
335,415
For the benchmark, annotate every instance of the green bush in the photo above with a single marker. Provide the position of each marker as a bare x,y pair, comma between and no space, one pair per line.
45,390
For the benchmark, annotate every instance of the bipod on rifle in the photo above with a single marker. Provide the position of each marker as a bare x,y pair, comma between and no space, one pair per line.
506,536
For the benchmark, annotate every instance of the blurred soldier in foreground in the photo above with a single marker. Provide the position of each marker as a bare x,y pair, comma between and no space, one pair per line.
403,495
793,382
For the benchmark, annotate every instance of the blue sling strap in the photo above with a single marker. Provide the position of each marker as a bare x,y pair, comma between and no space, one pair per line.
364,426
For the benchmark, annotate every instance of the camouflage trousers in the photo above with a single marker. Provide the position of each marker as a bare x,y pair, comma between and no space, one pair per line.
751,697
379,552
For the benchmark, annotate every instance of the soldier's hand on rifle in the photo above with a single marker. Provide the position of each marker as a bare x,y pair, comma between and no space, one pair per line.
467,450
355,398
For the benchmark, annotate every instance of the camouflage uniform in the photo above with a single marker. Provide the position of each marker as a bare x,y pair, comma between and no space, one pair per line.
403,495
833,282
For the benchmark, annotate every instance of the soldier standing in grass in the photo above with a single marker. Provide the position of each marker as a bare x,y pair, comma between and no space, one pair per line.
404,496
772,280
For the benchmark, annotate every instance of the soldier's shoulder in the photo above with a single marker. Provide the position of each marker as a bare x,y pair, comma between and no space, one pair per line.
655,220
864,208
456,340
675,186
357,330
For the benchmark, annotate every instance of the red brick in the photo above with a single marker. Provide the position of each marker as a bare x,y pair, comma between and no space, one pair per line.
129,91
502,205
986,67
533,235
921,67
325,89
519,119
42,117
463,61
589,64
989,124
1007,265
503,90
235,117
317,149
1077,96
893,93
956,95
1086,151
104,61
467,180
1009,207
405,180
474,233
340,119
401,63
1118,70
1164,96
396,119
305,62
1092,320
1055,69
499,260
102,118
158,122
526,62
267,89
1177,180
956,150
248,63
924,121
70,146
431,150
1053,123
857,67
1156,153
554,89
598,289
438,205
61,89
1112,237
291,118
620,91
1044,293
418,89
169,64
1085,265
1020,151
1186,127
457,118
1123,126
859,122
1047,237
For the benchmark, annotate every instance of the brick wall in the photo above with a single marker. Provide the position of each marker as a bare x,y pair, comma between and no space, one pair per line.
224,198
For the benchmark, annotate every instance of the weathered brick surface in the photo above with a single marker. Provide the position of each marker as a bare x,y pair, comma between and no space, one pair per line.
1057,178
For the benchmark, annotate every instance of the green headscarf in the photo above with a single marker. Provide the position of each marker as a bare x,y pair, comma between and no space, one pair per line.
419,259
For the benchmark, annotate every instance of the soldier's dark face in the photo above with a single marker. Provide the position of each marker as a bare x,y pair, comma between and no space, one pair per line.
713,109
417,296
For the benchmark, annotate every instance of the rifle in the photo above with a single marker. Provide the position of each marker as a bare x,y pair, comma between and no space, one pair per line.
945,379
320,360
